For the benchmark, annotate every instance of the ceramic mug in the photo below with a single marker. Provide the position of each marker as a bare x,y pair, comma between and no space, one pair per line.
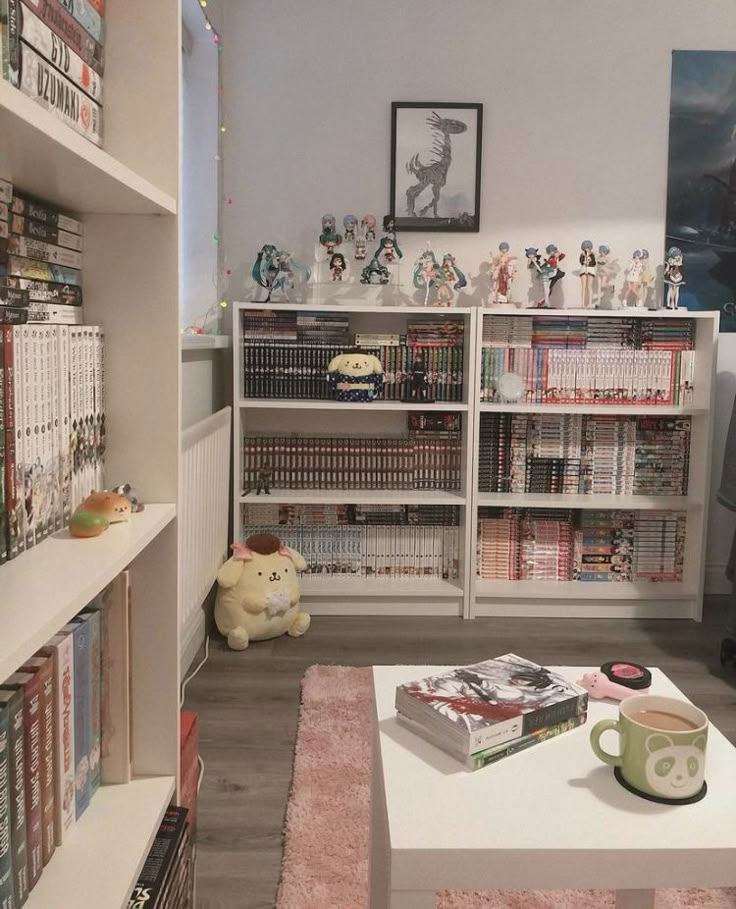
663,744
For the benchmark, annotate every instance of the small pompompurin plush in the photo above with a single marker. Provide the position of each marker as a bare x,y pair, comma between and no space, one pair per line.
97,512
258,595
356,376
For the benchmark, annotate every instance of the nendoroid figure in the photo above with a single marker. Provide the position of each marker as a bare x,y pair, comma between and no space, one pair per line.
329,239
360,247
673,277
388,250
349,223
606,270
503,268
647,278
587,273
337,266
632,285
368,226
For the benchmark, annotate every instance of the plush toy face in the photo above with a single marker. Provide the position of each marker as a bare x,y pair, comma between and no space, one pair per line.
114,507
268,583
356,364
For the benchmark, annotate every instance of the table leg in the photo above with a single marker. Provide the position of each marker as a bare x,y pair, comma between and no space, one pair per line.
635,899
412,899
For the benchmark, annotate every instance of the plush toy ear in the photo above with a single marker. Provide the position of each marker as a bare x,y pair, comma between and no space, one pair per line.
241,552
296,557
335,363
229,575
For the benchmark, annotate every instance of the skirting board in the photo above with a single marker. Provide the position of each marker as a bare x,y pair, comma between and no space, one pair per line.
191,643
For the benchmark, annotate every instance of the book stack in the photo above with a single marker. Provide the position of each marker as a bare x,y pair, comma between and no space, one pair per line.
167,878
40,262
487,711
583,361
584,454
507,331
53,51
55,748
583,545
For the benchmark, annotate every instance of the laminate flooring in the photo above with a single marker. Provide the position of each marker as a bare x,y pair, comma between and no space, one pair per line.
248,706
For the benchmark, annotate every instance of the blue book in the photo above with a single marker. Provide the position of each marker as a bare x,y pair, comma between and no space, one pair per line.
80,630
94,619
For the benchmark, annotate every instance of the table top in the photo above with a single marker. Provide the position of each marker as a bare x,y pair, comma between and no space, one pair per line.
553,798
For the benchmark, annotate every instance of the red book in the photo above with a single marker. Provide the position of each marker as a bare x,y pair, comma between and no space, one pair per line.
43,667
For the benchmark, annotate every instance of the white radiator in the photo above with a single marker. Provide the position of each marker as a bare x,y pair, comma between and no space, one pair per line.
204,508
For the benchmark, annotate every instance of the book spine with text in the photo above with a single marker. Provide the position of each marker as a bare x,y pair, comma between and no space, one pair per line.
33,724
37,230
37,270
66,27
82,700
3,507
47,214
93,618
31,248
88,17
62,646
48,738
39,291
17,795
7,900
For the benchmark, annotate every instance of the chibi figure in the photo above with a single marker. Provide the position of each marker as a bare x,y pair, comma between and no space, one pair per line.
632,287
673,277
337,266
427,273
587,273
503,267
553,259
540,271
263,480
329,238
419,384
605,271
454,280
368,226
360,251
349,223
375,272
647,278
388,250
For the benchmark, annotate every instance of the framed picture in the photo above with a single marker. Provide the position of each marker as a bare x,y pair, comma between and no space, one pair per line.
435,165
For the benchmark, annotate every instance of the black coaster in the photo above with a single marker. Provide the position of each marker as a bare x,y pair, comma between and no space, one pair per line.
655,798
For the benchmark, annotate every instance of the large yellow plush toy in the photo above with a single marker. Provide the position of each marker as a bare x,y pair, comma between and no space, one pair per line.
258,595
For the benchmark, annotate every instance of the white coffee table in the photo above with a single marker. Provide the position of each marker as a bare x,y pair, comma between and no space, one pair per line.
550,817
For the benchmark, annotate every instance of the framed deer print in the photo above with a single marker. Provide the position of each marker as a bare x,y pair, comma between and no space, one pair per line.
435,165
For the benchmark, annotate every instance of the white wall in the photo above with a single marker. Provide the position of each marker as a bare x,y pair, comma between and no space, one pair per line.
576,105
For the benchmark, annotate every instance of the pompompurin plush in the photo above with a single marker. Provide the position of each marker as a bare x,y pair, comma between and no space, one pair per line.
355,376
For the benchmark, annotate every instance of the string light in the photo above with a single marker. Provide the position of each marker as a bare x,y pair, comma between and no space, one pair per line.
208,26
223,129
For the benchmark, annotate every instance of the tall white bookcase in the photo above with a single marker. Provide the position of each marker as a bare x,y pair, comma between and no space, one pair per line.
470,596
127,195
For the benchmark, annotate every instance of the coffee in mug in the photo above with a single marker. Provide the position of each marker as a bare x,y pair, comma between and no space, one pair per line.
663,743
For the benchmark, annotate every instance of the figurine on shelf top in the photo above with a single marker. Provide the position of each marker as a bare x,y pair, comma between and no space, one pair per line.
454,280
418,381
427,273
368,227
360,247
647,278
552,260
542,271
503,268
606,271
349,223
337,266
274,271
632,284
388,250
375,272
674,277
587,273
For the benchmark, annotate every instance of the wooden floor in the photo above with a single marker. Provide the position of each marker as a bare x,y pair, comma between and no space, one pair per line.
248,704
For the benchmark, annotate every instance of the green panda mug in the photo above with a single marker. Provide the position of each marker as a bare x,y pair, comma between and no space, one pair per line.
663,743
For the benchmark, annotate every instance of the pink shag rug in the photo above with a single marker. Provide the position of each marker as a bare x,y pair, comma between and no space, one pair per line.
326,849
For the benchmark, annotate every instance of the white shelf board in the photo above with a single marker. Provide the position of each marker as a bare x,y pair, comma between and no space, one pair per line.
100,862
346,586
315,306
306,404
205,342
589,609
595,502
355,496
44,587
45,157
662,410
590,590
638,312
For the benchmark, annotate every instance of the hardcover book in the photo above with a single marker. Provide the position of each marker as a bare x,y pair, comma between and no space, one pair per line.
92,616
62,648
487,704
82,699
13,693
6,856
43,667
32,730
115,708
160,863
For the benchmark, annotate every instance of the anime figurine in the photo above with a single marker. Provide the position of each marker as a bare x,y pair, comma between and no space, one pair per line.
427,273
453,279
388,250
263,479
375,272
587,273
337,266
553,259
540,271
647,278
329,238
368,226
349,223
605,271
418,383
673,277
632,286
274,270
503,267
360,247
264,268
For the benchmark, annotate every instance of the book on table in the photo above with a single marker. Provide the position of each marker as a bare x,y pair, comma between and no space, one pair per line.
485,711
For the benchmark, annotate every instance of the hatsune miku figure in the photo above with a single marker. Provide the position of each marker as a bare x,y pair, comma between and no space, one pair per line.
388,250
274,270
647,278
674,278
349,223
427,273
632,285
503,268
587,273
453,280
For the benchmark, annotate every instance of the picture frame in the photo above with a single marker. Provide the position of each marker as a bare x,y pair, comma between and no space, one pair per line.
436,165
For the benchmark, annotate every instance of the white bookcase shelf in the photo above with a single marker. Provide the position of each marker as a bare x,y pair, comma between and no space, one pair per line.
127,196
473,596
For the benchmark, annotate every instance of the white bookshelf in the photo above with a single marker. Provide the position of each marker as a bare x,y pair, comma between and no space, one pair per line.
635,599
470,596
334,594
127,195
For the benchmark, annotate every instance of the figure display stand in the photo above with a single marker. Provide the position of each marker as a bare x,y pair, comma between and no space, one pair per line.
502,271
632,283
587,274
674,277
